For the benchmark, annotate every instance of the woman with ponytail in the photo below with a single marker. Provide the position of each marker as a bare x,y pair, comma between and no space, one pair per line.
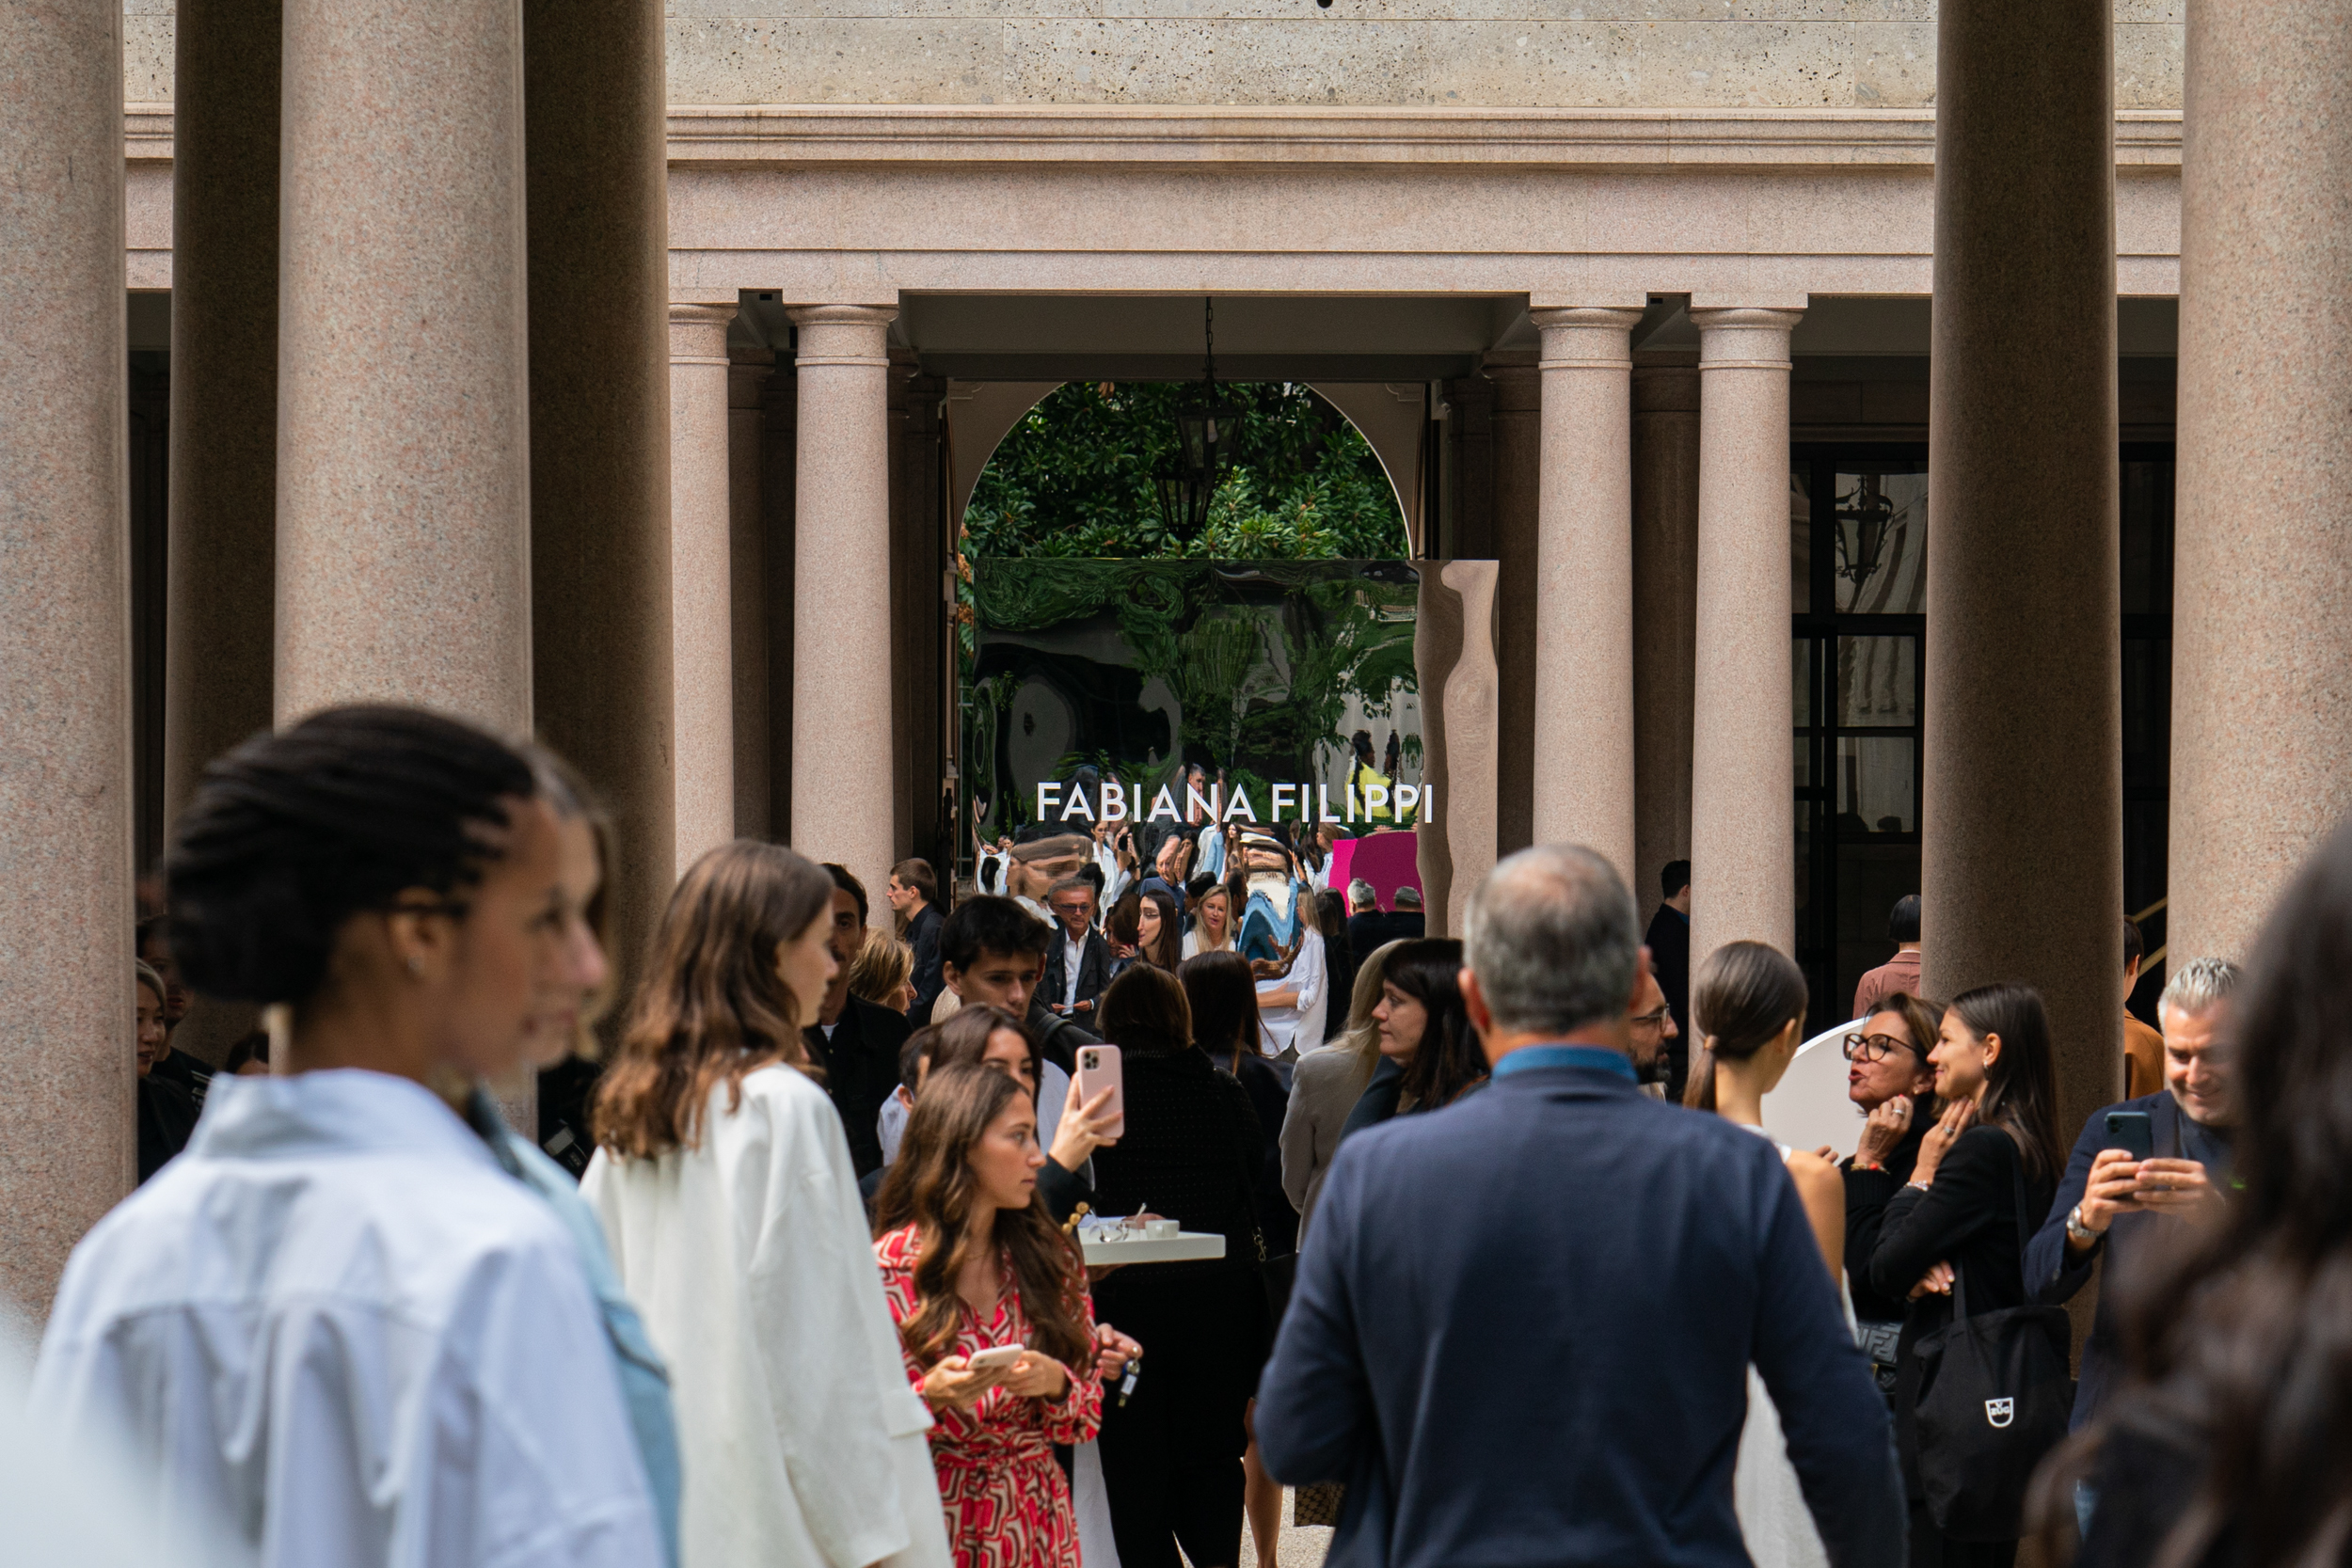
971,1261
1747,1006
723,1177
338,1326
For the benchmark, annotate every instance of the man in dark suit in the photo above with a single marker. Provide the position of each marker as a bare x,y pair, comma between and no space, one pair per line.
1557,1371
914,894
856,1041
1370,927
1669,945
2111,1204
1078,965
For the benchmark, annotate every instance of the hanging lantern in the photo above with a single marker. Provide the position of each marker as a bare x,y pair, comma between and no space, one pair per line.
1864,518
1206,436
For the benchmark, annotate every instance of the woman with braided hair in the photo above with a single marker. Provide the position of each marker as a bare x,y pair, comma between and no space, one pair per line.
338,1326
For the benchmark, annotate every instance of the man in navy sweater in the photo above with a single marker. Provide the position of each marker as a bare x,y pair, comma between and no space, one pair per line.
1522,1325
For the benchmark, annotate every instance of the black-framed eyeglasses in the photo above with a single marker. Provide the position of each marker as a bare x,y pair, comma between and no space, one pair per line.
1874,1048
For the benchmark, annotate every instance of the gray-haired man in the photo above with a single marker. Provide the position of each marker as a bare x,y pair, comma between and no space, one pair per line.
2113,1202
1522,1325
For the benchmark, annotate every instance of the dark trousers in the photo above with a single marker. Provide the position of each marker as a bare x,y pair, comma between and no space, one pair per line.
1928,1549
1172,1455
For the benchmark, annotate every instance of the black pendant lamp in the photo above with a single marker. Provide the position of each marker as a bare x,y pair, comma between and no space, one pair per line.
1206,429
1864,518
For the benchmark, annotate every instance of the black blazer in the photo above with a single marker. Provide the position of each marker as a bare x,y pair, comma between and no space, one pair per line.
923,936
2055,1274
1094,971
861,1064
1867,1193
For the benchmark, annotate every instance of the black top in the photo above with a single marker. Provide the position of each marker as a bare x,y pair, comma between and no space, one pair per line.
1340,963
193,1077
1270,1097
1059,1037
2057,1273
1191,1153
1867,1192
567,1094
166,1116
1378,1101
923,936
1372,930
861,1065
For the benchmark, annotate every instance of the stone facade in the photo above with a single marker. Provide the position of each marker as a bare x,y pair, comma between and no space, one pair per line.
1468,53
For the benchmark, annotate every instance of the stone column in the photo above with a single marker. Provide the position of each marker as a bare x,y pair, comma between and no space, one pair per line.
1743,852
1581,764
222,537
747,576
2262,668
68,1120
2021,869
1665,612
1517,436
597,182
779,441
842,746
403,559
701,609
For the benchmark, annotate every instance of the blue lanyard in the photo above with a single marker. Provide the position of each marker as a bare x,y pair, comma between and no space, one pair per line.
1531,1058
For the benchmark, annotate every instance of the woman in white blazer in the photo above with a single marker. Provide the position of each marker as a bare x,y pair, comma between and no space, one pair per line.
723,1178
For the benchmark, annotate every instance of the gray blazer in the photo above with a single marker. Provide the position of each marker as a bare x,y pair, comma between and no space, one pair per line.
1325,1084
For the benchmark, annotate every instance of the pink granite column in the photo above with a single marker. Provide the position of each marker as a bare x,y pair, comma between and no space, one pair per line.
68,1120
842,746
747,386
404,559
702,626
223,531
1744,851
1516,444
1583,645
2262,662
2021,803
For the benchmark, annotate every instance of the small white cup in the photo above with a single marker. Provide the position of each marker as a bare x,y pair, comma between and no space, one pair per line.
1161,1230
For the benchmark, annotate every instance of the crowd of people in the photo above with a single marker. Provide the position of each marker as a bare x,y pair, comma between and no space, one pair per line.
1511,1271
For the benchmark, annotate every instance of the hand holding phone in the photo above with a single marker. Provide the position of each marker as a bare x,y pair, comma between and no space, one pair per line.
1100,1069
2133,1132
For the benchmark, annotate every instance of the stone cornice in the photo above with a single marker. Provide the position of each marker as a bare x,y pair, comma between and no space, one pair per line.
812,135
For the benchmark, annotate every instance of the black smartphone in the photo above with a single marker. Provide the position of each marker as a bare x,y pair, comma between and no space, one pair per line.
2132,1131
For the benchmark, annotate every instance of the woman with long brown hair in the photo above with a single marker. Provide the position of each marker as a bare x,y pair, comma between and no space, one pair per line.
724,1181
971,1261
1429,1055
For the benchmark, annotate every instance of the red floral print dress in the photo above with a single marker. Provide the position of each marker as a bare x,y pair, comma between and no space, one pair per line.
1007,1505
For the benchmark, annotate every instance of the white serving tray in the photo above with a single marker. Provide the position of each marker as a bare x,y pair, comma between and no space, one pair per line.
1186,1246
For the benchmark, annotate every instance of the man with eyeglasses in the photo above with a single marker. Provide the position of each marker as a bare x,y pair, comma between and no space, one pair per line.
1889,1080
1649,1026
1079,965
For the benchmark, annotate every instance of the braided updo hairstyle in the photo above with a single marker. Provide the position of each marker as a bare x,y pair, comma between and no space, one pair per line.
292,834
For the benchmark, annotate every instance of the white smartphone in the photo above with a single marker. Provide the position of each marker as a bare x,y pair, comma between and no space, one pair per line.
1099,1069
996,1358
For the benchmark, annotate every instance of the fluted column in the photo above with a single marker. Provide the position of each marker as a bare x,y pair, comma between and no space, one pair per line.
747,385
702,626
1584,644
404,559
1743,792
841,674
68,1145
2021,803
2262,663
222,535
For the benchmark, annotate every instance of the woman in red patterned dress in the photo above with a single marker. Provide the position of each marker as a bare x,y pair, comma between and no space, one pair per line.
971,1260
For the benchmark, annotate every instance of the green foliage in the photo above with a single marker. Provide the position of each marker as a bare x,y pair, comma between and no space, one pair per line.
1074,479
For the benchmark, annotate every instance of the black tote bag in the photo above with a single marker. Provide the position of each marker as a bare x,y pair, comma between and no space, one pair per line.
1995,1395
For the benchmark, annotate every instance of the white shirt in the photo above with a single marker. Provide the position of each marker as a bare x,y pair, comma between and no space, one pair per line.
1304,1021
801,1439
338,1328
1073,951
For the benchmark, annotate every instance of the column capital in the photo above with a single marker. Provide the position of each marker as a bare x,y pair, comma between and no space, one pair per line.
1745,337
844,334
698,333
1585,336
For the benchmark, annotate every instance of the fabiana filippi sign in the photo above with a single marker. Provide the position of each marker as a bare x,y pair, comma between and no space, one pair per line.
1117,802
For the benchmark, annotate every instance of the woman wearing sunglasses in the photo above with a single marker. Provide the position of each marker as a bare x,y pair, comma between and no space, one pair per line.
1890,1081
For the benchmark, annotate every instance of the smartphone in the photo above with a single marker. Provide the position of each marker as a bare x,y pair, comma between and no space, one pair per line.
1098,1070
2132,1131
996,1358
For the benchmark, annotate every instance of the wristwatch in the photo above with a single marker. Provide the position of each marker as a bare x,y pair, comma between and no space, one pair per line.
2079,1233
